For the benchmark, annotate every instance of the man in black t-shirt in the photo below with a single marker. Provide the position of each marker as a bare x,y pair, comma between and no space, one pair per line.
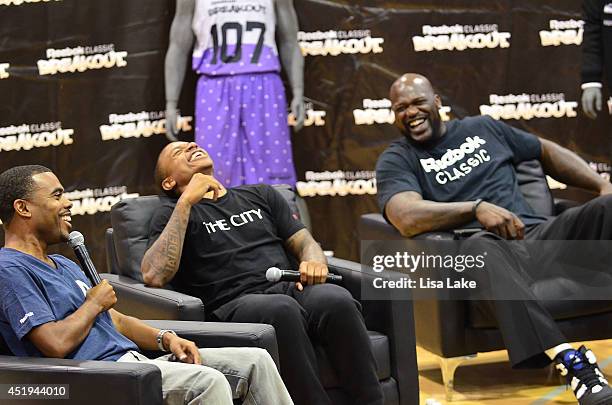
217,243
442,176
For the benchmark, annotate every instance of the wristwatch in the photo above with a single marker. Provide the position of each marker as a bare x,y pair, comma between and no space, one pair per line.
160,339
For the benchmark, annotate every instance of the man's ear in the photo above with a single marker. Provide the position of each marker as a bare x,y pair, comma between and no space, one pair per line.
168,183
21,208
438,101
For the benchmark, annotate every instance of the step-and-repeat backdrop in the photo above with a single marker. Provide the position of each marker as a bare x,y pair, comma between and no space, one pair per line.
82,92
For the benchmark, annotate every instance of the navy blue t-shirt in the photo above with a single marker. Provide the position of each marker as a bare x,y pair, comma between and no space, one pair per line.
474,159
33,293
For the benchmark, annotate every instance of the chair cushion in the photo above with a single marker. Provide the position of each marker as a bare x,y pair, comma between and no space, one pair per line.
375,227
296,203
534,187
130,220
380,349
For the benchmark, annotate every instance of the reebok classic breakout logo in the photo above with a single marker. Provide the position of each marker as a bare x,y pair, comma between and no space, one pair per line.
235,8
313,117
91,201
604,169
139,125
379,112
460,37
374,112
529,106
28,136
471,150
81,59
568,32
338,183
4,74
21,2
336,43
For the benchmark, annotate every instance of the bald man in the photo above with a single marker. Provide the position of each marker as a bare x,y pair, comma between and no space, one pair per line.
216,243
461,174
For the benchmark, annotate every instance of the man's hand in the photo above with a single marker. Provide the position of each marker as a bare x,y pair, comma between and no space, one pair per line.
500,221
591,101
297,109
198,186
184,350
312,273
102,295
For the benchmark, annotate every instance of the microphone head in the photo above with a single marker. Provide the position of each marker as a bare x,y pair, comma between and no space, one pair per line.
273,274
75,239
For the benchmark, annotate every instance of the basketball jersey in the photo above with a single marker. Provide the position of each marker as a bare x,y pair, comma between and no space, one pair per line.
234,37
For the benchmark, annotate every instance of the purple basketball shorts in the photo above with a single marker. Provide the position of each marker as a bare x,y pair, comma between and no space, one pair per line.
241,121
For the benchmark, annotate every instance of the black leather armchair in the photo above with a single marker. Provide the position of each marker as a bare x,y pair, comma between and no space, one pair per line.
132,383
390,323
457,330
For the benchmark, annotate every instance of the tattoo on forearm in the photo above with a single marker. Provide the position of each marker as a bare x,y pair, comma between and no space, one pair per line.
173,245
163,257
305,248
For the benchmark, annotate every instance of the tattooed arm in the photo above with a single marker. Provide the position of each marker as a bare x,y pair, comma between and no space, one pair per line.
313,264
161,261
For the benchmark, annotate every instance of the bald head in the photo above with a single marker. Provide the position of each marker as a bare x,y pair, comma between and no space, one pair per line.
412,82
416,108
177,163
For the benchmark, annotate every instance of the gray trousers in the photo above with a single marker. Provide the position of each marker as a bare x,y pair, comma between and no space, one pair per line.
246,374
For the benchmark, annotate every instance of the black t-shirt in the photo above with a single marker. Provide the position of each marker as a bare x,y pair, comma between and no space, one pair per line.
474,159
230,243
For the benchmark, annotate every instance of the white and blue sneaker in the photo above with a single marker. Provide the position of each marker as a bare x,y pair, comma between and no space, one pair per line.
585,378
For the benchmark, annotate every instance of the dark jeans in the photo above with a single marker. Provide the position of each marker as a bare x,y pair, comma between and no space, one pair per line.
325,315
527,327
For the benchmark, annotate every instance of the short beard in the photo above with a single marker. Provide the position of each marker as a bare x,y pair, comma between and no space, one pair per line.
436,133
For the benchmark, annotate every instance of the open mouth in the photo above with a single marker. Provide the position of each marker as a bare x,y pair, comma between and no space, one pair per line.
416,123
196,155
67,218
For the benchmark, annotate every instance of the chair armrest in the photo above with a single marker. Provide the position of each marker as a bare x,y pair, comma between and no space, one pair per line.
435,321
224,334
393,318
562,204
136,299
375,227
442,235
132,383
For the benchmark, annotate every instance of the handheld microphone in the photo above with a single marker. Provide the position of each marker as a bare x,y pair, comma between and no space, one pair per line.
275,274
76,241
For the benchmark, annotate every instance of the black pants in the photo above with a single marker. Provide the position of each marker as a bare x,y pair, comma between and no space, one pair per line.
325,315
527,327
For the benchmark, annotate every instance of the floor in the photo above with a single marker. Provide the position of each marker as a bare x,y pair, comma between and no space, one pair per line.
489,380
